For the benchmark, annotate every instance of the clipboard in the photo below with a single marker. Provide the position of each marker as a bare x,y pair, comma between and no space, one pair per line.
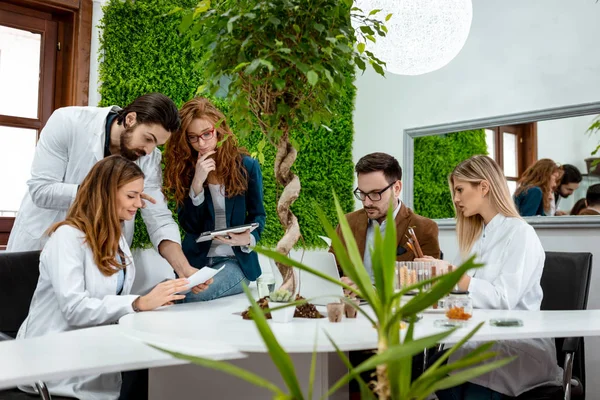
210,235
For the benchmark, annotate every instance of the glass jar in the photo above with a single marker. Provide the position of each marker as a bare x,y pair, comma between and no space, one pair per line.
265,285
458,306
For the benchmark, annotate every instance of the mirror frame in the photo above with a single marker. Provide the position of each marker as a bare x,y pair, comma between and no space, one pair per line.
508,119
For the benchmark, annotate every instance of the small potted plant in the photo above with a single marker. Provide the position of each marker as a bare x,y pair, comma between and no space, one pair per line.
281,298
593,163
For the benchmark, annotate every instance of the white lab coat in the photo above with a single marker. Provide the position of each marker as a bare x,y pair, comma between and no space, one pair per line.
70,144
71,294
510,280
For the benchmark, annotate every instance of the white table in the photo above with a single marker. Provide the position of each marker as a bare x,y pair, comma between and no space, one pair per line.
88,352
219,319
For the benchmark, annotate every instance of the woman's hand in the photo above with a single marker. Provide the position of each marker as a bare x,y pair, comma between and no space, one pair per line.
188,271
164,293
350,283
235,239
204,166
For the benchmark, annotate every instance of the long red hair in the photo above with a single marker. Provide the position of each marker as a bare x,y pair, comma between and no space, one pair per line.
540,175
180,156
94,211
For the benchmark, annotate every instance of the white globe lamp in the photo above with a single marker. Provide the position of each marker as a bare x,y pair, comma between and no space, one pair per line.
423,35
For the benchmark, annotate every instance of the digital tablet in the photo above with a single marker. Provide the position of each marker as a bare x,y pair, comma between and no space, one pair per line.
210,235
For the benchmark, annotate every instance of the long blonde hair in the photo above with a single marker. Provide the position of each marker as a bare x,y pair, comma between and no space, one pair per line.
475,170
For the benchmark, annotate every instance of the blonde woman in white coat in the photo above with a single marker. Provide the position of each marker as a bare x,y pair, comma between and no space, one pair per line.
489,226
86,270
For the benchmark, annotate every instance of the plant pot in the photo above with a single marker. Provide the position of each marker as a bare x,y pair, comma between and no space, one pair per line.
593,169
283,315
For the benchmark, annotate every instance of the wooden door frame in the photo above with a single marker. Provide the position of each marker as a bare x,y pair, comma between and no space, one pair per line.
71,78
74,19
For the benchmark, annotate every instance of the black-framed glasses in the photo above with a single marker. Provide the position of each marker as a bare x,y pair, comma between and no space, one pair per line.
374,195
204,136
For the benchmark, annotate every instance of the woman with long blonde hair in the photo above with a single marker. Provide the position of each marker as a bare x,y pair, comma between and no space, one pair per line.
216,185
86,270
489,226
535,192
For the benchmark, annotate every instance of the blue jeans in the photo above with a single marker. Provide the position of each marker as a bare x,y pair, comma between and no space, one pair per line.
469,391
226,283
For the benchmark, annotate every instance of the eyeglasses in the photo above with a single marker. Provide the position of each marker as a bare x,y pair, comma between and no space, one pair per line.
374,195
204,136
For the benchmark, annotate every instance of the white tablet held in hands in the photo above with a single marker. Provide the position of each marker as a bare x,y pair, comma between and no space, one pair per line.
210,235
201,276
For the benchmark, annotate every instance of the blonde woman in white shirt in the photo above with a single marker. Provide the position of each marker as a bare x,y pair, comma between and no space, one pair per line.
489,226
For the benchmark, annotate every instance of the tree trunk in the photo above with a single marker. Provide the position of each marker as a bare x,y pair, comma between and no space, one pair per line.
382,383
286,155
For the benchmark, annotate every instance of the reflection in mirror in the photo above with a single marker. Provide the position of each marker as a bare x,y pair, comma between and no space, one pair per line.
515,147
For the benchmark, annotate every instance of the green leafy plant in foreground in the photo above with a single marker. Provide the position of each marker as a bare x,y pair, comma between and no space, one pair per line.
393,358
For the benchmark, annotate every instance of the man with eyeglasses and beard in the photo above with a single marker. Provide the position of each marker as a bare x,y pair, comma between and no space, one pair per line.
379,182
72,141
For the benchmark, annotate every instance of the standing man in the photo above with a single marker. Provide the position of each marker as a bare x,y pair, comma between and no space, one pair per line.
568,184
72,141
379,182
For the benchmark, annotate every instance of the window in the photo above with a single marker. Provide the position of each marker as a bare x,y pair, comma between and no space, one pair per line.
514,148
44,65
27,63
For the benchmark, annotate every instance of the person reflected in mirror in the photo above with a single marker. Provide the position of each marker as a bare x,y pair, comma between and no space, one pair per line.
592,201
568,184
578,207
489,226
86,271
216,185
535,190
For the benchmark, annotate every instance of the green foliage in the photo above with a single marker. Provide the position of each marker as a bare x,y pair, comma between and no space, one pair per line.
283,63
435,158
595,128
144,52
393,351
281,296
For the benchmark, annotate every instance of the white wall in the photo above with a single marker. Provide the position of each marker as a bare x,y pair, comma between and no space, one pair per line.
565,140
94,95
520,56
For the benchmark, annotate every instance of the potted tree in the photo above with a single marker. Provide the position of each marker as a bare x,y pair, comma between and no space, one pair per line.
281,65
593,163
280,307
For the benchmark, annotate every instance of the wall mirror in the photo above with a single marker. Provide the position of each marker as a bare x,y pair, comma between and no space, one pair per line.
515,141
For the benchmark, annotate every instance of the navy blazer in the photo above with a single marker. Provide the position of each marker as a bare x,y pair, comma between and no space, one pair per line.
530,202
239,210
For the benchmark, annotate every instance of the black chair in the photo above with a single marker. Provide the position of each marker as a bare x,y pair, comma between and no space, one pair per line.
19,274
566,284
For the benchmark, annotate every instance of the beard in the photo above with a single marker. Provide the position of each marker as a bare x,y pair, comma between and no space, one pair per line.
125,142
378,212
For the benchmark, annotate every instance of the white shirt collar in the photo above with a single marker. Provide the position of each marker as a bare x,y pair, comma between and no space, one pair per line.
494,223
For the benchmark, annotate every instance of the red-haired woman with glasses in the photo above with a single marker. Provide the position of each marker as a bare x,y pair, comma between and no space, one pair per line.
216,185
